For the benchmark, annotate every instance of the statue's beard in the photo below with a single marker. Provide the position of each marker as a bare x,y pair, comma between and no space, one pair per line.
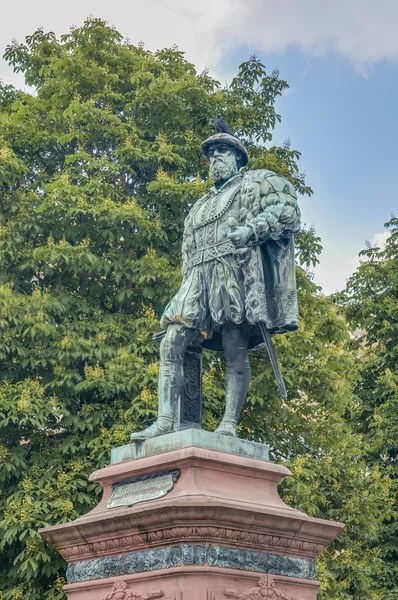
221,170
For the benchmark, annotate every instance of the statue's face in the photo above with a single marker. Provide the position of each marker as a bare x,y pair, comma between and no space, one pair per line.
223,162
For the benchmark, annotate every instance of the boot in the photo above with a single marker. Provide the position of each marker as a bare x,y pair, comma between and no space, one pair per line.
230,420
236,388
233,406
169,390
161,426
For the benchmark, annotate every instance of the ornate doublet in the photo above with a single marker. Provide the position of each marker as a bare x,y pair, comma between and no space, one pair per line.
222,283
210,222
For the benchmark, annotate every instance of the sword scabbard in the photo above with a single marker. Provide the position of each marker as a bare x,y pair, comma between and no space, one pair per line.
274,361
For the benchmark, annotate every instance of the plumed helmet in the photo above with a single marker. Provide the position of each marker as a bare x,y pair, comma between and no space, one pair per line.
230,140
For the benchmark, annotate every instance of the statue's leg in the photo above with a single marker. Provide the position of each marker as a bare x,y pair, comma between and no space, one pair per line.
171,379
235,340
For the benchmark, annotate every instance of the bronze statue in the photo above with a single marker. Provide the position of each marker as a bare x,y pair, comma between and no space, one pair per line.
239,284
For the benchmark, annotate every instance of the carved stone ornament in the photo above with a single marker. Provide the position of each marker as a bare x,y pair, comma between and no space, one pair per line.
190,554
120,592
212,534
265,589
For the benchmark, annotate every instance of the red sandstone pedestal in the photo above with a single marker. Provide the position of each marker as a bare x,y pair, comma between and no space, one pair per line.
208,525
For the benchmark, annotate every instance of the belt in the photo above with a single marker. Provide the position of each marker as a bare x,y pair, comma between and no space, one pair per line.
213,251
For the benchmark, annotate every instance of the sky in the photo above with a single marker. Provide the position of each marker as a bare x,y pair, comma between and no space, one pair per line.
340,59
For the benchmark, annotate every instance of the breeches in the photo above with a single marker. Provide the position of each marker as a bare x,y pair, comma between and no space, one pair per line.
234,341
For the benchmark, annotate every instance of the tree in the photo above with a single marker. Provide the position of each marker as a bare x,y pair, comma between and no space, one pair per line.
371,305
97,170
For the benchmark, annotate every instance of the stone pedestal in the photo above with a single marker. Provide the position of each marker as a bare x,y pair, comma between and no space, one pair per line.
192,516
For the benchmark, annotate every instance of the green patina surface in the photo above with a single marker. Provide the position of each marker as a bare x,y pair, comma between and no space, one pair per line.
238,285
186,438
191,554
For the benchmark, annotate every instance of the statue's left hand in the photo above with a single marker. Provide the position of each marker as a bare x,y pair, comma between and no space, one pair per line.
240,236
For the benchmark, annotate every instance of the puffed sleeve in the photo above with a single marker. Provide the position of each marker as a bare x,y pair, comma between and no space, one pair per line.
275,213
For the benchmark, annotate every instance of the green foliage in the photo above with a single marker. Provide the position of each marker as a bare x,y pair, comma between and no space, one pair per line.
310,434
97,171
371,305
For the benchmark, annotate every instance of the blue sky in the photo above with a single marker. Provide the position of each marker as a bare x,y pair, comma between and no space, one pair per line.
346,126
341,62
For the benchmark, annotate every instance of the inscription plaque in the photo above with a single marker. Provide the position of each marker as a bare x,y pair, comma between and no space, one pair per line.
140,489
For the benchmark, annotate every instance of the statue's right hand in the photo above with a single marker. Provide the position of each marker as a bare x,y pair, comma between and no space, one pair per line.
240,236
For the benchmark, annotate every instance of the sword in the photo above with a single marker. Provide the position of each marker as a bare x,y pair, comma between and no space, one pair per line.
273,360
232,223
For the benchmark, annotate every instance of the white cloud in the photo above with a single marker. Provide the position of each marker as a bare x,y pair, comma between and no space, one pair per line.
364,31
335,268
158,23
379,239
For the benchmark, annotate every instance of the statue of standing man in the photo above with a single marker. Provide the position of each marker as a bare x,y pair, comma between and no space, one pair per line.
239,283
